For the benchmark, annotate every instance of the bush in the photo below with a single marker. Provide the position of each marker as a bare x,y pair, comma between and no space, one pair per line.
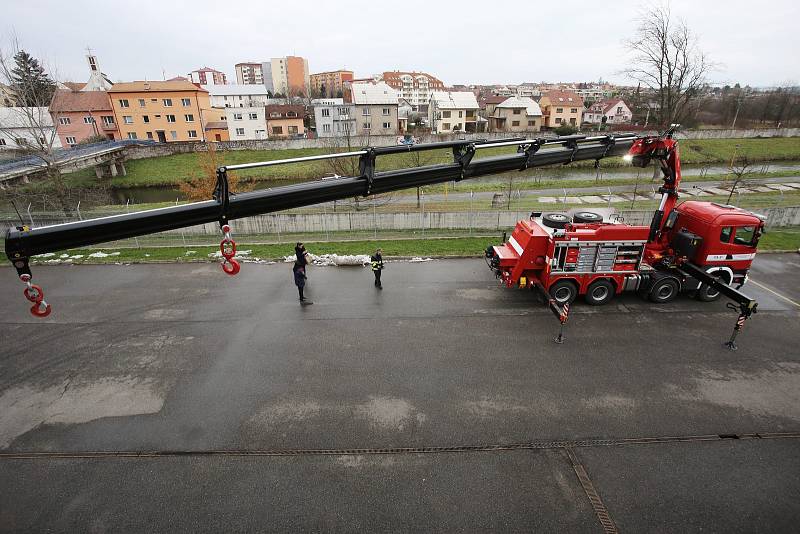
99,138
565,129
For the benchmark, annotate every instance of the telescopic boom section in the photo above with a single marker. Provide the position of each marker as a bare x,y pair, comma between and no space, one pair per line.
22,242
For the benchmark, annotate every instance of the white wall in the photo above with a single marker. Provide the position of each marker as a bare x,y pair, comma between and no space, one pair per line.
254,128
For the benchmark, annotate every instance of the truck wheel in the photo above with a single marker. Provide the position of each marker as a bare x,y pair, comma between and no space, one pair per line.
664,290
555,220
706,293
563,291
599,292
587,217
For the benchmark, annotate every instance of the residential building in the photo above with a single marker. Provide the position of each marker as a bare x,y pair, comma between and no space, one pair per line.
163,111
246,123
488,103
416,87
285,120
79,115
290,75
238,96
249,73
27,127
333,118
455,111
374,108
613,111
561,107
208,76
330,84
516,114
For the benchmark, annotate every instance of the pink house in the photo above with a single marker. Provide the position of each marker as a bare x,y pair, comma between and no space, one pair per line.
79,115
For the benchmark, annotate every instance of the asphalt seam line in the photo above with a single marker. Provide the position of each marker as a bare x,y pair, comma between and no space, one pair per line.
784,297
595,501
534,445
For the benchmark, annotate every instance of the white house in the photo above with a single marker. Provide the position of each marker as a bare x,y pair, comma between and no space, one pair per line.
615,111
238,95
246,123
22,128
452,111
516,114
333,118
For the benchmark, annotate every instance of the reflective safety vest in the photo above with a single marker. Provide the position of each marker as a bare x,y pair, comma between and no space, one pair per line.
377,263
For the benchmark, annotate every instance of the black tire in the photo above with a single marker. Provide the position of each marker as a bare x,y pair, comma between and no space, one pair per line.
599,292
587,217
564,291
706,293
664,290
556,220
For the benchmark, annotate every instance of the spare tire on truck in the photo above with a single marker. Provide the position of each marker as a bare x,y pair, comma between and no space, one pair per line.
587,217
556,220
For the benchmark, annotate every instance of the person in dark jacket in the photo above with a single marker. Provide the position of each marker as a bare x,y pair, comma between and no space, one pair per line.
300,281
300,253
377,266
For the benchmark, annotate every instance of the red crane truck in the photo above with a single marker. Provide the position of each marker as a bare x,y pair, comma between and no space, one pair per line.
702,247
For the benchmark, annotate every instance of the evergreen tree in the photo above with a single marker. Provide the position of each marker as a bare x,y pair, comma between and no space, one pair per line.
30,83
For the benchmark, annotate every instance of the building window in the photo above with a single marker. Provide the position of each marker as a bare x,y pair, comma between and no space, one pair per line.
342,111
127,119
292,130
531,123
326,112
131,135
558,120
275,115
514,123
170,118
559,110
292,114
326,128
517,111
192,134
277,130
124,103
573,110
189,117
445,126
145,118
64,120
149,135
365,112
70,140
2,142
386,111
253,116
237,116
460,114
239,131
174,134
88,120
185,102
367,125
167,102
387,125
108,120
141,102
445,114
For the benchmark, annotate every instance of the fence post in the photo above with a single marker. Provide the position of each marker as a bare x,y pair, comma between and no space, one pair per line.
183,236
29,214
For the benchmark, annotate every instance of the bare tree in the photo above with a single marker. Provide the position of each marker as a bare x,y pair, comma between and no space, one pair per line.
740,170
32,121
667,59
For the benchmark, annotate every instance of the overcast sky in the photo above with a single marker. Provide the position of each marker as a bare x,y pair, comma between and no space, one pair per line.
459,41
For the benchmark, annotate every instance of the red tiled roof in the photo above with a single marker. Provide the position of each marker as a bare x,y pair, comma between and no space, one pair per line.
283,109
66,101
563,98
74,86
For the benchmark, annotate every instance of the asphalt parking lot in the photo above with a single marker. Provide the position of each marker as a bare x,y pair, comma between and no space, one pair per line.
172,397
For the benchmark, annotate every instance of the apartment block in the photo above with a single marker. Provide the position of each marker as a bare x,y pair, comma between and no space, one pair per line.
238,96
249,73
415,87
290,75
330,84
163,111
208,76
374,108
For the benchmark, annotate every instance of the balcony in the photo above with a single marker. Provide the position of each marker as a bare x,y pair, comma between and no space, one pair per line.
108,127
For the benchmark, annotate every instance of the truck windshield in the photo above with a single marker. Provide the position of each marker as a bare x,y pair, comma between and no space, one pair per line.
745,235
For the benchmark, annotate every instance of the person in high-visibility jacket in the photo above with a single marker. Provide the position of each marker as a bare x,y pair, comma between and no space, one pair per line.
377,266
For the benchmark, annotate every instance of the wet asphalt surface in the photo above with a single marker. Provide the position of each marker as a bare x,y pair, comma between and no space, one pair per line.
228,384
